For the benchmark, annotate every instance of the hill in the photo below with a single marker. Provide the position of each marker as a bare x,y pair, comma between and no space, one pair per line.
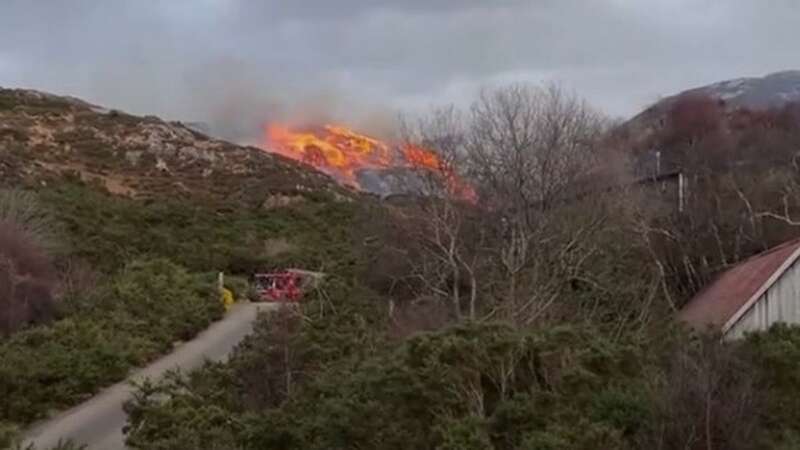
771,92
139,215
44,136
441,324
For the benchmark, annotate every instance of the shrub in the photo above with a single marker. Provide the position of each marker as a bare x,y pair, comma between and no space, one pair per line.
24,210
127,321
9,436
474,386
26,280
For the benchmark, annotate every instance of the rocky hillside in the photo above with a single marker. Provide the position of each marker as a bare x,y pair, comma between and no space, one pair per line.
737,104
44,136
770,91
757,93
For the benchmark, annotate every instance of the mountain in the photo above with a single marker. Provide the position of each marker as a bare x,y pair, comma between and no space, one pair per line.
734,97
44,137
770,91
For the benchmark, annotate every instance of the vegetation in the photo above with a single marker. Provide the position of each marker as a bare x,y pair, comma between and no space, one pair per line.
107,231
136,316
536,317
131,278
536,320
331,380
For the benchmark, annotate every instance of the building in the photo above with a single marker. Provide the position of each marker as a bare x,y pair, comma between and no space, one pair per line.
751,296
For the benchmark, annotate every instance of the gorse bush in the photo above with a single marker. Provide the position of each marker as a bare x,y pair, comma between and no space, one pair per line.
108,231
131,319
132,277
328,377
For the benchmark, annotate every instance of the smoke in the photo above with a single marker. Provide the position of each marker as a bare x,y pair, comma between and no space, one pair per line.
236,63
236,100
195,61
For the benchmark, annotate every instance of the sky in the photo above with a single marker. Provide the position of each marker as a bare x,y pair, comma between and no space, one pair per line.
238,63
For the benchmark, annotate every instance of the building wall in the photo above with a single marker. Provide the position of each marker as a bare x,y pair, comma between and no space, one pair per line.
781,303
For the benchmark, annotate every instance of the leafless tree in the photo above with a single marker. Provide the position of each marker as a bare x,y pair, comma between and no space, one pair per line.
548,196
444,222
24,209
743,193
533,153
707,400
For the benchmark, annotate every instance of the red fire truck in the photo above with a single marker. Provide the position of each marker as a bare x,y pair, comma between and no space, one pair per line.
287,285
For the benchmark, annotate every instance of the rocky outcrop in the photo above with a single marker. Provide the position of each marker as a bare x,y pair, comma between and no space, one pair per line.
44,136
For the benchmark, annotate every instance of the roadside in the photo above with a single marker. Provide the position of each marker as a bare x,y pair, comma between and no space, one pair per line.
98,422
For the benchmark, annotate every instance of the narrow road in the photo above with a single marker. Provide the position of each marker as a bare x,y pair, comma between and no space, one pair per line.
98,422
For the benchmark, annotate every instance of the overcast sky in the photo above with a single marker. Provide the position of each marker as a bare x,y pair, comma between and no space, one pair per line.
232,61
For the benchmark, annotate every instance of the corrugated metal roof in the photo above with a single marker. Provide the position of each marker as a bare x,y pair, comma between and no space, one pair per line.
731,291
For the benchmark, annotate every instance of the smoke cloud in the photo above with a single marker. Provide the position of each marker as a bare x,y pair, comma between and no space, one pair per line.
235,63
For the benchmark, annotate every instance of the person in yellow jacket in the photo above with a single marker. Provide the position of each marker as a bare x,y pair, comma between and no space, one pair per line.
227,298
227,295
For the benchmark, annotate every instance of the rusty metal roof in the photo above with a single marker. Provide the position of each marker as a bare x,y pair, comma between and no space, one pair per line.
737,288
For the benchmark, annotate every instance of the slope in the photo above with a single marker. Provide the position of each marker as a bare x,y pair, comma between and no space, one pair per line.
43,136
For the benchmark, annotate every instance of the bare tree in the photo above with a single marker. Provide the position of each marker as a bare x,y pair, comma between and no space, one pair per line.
24,209
708,399
445,223
743,196
549,198
533,153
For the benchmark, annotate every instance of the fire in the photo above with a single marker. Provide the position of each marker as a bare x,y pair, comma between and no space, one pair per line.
342,153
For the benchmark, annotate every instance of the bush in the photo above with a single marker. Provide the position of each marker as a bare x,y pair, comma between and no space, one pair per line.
239,286
130,320
327,378
475,386
25,210
777,354
27,277
9,436
26,280
198,236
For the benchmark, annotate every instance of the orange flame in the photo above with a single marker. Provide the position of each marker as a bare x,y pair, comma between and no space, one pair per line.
341,153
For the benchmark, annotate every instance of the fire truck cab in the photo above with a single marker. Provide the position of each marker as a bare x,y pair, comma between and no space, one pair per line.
287,285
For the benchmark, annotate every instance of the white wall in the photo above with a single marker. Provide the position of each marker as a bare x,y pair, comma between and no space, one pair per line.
781,303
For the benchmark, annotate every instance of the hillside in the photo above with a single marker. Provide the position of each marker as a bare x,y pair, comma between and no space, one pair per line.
112,228
44,136
770,92
441,324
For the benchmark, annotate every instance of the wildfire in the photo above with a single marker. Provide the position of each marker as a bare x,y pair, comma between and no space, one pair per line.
342,153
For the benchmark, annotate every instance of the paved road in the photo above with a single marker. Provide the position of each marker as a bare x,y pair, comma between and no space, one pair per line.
99,421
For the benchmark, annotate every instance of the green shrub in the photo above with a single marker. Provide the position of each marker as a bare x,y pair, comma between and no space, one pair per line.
107,231
777,353
240,286
9,436
475,386
133,318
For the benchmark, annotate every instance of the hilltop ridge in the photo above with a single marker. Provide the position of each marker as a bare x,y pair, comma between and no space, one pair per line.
45,136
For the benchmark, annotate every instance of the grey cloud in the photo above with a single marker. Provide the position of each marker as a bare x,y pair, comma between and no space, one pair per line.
237,63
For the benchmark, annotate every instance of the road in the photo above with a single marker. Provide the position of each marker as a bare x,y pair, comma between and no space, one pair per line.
98,422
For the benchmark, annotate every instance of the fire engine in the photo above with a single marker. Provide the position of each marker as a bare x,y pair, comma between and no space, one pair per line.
287,285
